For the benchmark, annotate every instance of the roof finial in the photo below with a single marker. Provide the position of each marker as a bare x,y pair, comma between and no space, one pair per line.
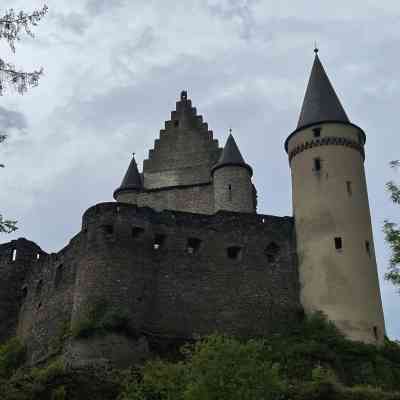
230,131
316,49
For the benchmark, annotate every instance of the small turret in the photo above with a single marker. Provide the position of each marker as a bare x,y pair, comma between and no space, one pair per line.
131,185
233,190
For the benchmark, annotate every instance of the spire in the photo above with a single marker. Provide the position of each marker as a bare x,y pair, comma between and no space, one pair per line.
231,155
132,179
320,101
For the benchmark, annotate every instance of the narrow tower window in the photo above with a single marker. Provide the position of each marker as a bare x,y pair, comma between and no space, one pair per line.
37,256
349,188
234,252
317,132
158,241
193,245
230,192
137,231
272,252
338,243
108,229
368,248
14,255
376,334
59,275
317,164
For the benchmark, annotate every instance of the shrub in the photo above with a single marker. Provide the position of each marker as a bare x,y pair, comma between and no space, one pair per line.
100,319
12,356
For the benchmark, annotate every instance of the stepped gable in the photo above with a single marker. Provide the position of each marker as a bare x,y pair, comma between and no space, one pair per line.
185,152
321,102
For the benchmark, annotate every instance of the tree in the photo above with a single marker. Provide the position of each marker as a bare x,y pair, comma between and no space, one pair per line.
392,233
11,26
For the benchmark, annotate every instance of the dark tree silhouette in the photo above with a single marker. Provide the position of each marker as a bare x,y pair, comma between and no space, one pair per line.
392,234
12,24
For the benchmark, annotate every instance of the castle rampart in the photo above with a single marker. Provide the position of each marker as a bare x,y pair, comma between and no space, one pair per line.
179,276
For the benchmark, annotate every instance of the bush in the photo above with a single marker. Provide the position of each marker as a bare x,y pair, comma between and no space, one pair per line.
12,356
100,319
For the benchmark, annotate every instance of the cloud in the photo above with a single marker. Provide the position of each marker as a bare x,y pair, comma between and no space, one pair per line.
11,120
97,7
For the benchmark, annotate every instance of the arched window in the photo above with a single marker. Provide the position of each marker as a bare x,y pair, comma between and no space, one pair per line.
272,252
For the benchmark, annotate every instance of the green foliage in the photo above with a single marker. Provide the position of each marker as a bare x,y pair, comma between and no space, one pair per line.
312,362
48,373
392,234
218,367
100,319
59,394
12,355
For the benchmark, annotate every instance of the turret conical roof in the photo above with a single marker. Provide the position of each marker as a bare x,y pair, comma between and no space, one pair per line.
231,156
321,102
132,179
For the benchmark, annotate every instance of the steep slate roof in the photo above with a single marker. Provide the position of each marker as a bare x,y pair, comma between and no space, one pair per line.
321,102
231,156
132,179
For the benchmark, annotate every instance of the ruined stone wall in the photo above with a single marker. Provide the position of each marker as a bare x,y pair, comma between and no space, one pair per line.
16,260
177,275
173,270
46,309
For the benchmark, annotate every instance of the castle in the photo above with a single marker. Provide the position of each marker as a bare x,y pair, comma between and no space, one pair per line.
184,251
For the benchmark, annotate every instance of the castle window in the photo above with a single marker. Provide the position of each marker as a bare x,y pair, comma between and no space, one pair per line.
176,123
317,132
14,255
24,292
338,243
234,252
230,192
368,248
108,229
158,242
272,252
376,333
317,164
193,245
349,188
137,231
37,256
39,288
59,275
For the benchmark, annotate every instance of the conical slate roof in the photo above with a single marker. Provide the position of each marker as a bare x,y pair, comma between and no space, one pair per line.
132,179
321,102
231,156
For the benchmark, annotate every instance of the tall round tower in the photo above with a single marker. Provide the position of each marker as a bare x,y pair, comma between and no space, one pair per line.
233,189
337,265
131,185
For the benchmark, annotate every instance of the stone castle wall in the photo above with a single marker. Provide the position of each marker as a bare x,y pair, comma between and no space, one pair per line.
180,275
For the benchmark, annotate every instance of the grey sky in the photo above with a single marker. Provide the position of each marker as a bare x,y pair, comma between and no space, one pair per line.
114,69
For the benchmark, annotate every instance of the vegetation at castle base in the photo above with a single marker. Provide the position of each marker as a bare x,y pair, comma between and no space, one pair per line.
392,234
12,356
312,362
99,319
